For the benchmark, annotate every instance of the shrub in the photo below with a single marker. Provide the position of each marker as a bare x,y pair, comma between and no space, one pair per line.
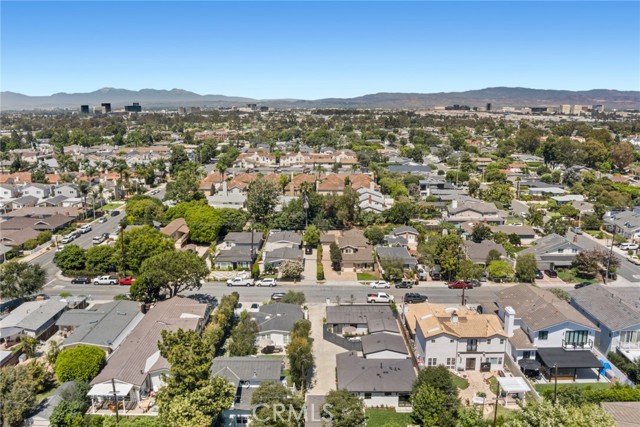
320,273
80,363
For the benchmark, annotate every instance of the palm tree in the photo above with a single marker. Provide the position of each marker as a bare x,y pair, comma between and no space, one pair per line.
29,345
83,188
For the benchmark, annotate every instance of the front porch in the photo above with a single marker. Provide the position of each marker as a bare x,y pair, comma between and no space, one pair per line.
106,397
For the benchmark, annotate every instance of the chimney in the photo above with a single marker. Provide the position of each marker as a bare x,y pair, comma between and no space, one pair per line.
224,187
509,318
454,204
372,185
454,318
317,184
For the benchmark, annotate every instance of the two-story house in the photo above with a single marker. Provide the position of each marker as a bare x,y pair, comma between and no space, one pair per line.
67,190
8,191
292,160
544,327
410,234
456,337
40,191
357,253
553,251
617,316
469,210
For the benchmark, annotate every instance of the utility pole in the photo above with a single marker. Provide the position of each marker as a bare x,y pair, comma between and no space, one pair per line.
122,253
495,413
115,394
606,273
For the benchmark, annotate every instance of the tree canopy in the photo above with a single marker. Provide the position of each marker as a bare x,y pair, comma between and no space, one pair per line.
20,279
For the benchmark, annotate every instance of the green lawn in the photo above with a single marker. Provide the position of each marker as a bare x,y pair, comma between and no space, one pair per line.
383,417
460,382
493,385
542,387
504,412
569,275
111,206
367,276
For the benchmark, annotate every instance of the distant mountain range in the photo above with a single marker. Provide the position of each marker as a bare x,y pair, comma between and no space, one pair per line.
497,96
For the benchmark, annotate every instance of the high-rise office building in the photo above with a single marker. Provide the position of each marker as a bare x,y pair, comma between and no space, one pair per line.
135,108
84,109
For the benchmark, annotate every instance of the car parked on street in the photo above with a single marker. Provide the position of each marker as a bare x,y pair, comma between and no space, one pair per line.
629,246
403,284
460,284
380,284
99,238
269,282
581,285
115,213
85,228
277,296
127,280
413,298
67,239
102,220
81,280
105,280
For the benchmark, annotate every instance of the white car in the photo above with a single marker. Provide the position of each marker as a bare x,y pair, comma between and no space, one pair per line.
85,229
267,282
105,280
67,239
380,284
634,259
629,246
59,248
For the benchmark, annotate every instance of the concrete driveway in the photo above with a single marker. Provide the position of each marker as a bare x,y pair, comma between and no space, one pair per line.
324,353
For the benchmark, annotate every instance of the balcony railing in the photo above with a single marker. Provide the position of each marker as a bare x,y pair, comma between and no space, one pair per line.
587,345
629,345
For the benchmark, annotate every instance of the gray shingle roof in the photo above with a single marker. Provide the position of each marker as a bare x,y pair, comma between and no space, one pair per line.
102,325
478,252
277,317
400,253
540,309
239,253
257,369
244,238
285,236
551,243
375,343
281,254
357,374
608,308
33,315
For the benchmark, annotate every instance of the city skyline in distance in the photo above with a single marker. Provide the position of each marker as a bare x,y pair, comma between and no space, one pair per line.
309,50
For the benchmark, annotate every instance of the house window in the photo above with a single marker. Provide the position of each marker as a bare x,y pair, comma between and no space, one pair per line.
543,335
433,341
472,345
560,251
432,361
451,341
526,355
576,338
388,393
489,341
451,362
367,395
501,340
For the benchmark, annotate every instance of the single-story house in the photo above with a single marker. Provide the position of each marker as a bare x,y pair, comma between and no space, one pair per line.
361,319
386,254
478,252
386,382
34,318
275,322
384,345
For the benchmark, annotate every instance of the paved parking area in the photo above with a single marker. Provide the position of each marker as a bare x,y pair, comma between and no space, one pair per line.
324,374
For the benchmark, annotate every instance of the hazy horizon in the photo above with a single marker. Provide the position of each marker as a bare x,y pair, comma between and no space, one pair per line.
315,50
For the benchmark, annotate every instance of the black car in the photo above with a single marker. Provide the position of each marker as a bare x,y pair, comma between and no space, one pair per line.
412,298
551,273
539,274
581,285
403,284
474,282
115,213
81,280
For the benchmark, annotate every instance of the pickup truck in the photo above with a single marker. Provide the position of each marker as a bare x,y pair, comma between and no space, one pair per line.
105,280
379,297
240,281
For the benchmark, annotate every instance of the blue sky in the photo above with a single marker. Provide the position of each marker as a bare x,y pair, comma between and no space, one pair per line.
318,49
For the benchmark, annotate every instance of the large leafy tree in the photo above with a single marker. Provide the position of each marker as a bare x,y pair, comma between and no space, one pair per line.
18,389
430,408
547,414
344,409
262,198
198,408
80,363
141,243
300,354
401,212
480,232
526,267
500,269
243,337
101,259
622,155
312,235
185,186
173,272
71,258
19,279
269,398
144,210
448,253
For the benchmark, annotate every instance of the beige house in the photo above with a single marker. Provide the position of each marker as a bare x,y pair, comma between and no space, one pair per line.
178,231
357,253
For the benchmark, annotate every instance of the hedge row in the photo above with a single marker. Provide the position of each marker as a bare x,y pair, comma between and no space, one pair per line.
320,268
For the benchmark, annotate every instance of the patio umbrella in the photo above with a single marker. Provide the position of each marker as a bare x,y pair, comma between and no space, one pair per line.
529,364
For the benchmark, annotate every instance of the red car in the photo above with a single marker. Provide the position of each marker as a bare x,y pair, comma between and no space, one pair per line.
460,284
128,280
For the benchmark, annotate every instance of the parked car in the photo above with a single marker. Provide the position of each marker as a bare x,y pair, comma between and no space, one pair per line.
105,280
254,308
380,284
267,282
460,284
405,284
379,297
422,272
576,230
634,259
629,246
102,220
81,280
76,234
551,273
539,274
85,229
60,248
475,283
412,298
99,239
277,296
67,239
436,272
115,213
240,281
581,285
127,281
